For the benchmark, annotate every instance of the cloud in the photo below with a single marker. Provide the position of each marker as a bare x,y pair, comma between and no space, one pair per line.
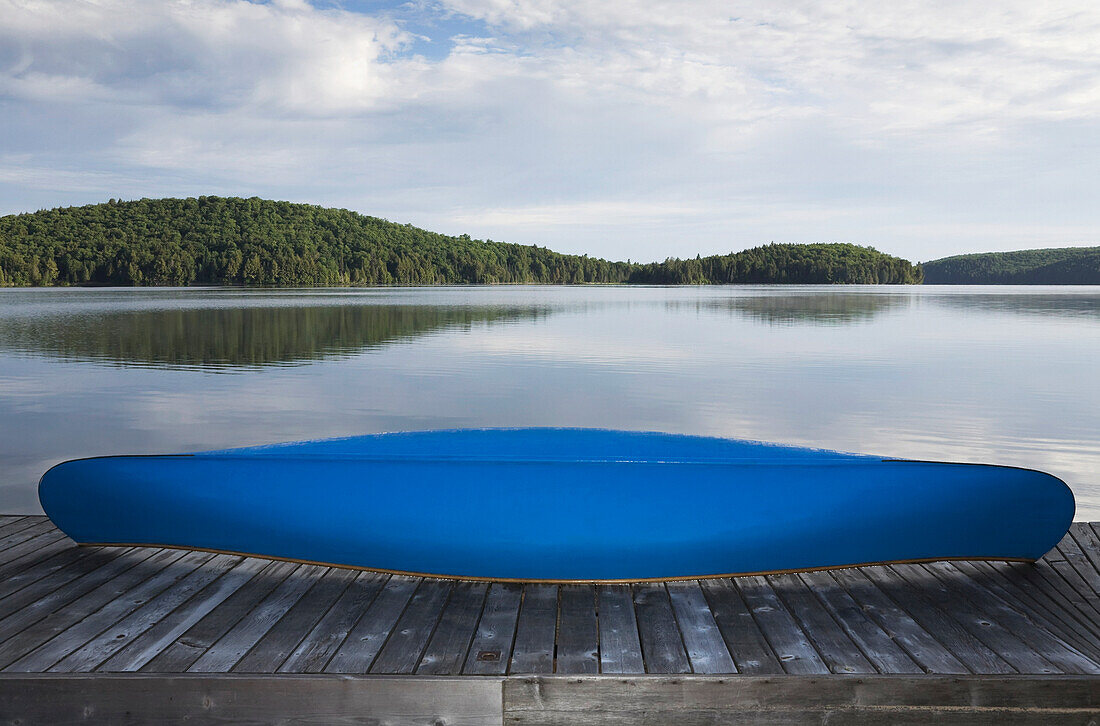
626,129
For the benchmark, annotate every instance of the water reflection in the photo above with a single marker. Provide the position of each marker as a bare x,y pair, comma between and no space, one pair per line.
237,337
1084,303
809,309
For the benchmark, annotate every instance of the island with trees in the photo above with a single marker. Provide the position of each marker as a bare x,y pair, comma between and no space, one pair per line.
1058,266
233,241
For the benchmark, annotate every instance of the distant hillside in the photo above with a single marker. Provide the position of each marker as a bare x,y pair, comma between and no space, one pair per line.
218,240
785,263
215,240
1061,266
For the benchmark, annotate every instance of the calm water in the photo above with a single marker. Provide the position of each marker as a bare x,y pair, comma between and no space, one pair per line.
986,374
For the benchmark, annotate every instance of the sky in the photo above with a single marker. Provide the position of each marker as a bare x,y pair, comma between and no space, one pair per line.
626,129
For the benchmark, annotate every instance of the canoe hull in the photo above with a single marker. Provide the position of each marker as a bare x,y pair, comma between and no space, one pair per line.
557,517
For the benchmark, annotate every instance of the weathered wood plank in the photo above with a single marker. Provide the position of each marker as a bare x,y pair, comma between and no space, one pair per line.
705,648
318,646
126,630
40,536
37,622
1089,543
978,621
796,653
922,646
865,699
360,648
25,589
839,652
154,640
1085,578
620,646
1037,605
18,524
7,520
977,656
1047,646
536,628
662,643
578,636
491,650
884,653
276,645
236,643
403,649
118,607
185,700
450,643
1018,581
196,640
36,558
745,641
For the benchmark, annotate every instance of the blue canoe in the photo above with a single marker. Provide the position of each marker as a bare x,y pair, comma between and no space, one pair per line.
560,505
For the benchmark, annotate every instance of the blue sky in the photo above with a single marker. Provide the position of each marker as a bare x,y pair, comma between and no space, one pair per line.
625,129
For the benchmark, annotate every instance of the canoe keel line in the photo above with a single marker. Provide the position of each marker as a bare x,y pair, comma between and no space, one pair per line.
560,505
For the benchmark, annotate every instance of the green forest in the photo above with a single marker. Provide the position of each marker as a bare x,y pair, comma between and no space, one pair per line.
1059,266
233,241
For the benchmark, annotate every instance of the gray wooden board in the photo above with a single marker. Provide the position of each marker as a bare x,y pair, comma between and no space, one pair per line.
886,654
1042,578
231,647
1084,578
40,621
746,643
578,643
189,700
36,559
410,635
117,607
154,640
867,699
197,639
662,643
981,622
922,647
276,645
796,653
1046,603
536,630
837,649
28,591
1016,620
159,610
620,647
1089,543
316,648
446,652
126,630
360,648
491,649
1050,575
1038,606
977,656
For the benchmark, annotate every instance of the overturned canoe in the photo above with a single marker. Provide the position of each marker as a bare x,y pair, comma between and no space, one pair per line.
560,504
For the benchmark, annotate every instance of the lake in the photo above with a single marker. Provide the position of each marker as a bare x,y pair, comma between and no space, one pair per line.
1004,375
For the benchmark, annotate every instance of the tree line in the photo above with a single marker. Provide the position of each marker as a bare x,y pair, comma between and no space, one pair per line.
1058,266
233,241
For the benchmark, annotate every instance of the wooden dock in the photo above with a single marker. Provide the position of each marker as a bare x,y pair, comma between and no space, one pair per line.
139,635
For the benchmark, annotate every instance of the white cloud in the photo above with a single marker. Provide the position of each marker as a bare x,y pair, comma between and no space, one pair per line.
626,129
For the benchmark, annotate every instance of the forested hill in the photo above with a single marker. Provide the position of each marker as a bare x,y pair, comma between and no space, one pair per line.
785,263
215,240
219,240
1060,266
